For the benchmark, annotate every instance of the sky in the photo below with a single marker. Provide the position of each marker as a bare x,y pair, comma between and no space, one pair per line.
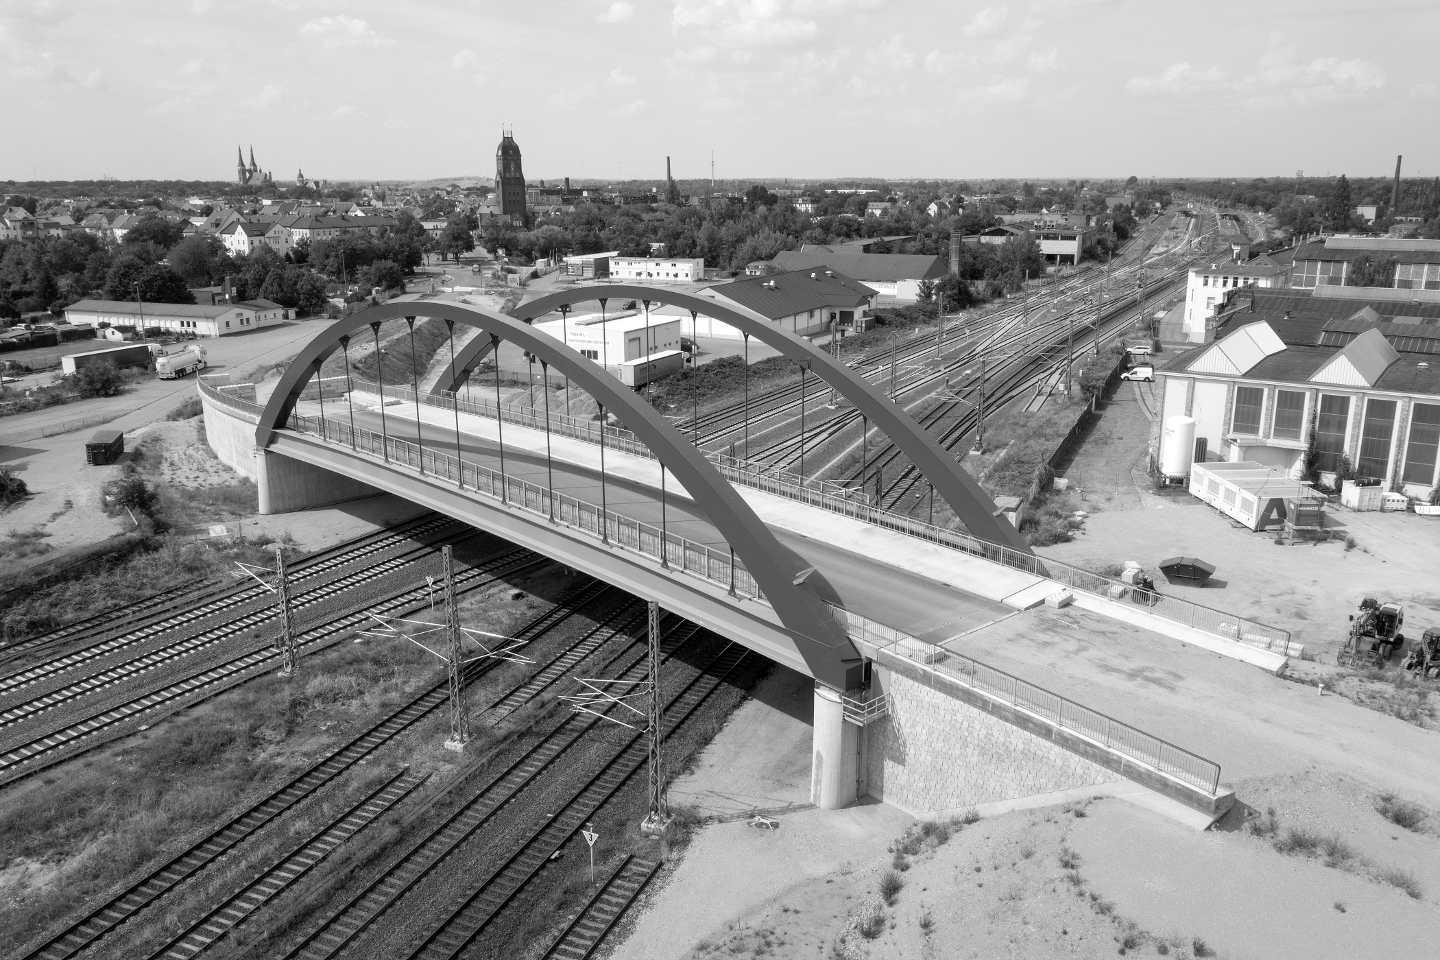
411,89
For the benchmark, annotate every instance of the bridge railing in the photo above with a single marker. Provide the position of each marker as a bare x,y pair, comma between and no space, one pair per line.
1115,735
1218,623
589,431
687,556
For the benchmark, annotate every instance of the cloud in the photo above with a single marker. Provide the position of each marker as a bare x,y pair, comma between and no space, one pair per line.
617,12
1008,91
1179,78
574,96
268,97
749,23
619,78
343,31
343,111
45,67
462,58
634,106
987,21
191,67
1047,62
1322,80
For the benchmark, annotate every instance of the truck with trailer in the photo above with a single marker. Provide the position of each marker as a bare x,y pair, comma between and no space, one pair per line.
172,366
129,355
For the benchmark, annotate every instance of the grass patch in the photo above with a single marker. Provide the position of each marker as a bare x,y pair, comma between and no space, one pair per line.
1050,519
19,544
1400,812
395,360
190,409
1402,880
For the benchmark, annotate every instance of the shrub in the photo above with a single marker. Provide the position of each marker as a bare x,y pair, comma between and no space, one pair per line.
890,885
133,492
189,409
1400,812
99,380
1201,948
12,488
1404,880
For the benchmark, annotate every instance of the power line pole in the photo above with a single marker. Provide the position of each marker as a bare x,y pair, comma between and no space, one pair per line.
287,623
980,411
459,713
657,821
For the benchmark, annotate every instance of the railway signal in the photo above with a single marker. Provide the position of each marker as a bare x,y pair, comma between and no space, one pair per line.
590,837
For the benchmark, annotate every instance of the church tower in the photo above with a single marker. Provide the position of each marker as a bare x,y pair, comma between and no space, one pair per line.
510,180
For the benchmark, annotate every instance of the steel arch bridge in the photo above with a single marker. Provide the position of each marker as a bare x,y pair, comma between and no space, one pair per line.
820,638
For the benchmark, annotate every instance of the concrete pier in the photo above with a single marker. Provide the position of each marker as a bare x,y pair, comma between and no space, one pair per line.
835,754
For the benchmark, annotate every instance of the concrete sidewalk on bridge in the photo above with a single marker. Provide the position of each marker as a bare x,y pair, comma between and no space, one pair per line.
1013,588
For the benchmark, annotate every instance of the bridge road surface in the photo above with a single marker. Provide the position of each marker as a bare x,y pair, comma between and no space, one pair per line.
1255,725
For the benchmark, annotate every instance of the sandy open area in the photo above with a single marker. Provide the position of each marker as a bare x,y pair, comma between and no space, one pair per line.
1081,880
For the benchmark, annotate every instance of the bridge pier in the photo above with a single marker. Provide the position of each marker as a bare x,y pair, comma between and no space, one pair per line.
287,485
835,753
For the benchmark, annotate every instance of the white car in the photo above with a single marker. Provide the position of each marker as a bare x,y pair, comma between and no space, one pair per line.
1144,372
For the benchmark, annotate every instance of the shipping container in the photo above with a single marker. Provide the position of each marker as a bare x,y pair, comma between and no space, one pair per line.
105,447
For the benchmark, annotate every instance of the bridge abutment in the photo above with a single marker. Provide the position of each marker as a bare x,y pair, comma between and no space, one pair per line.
287,484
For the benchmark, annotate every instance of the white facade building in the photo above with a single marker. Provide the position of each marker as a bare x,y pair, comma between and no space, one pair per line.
1208,286
202,321
657,269
632,347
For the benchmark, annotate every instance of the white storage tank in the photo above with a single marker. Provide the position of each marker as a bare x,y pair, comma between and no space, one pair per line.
1177,447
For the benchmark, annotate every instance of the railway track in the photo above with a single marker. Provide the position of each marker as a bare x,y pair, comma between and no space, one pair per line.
122,907
31,757
239,625
426,854
140,621
198,937
600,913
464,924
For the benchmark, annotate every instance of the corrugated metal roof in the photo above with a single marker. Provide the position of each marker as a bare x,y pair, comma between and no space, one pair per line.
1361,363
130,307
1382,243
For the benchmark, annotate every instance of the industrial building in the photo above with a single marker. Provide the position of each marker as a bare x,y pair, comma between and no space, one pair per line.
635,347
1330,261
894,276
804,302
192,318
1362,373
657,269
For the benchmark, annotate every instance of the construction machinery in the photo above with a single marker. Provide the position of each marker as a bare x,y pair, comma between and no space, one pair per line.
1374,634
1424,659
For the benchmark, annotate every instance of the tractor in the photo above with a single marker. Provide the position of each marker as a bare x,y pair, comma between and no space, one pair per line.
1379,624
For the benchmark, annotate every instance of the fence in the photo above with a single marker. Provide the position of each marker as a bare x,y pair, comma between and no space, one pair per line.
55,429
1224,625
1065,713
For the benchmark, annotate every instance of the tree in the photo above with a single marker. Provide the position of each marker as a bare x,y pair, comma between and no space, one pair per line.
386,275
196,257
96,380
1368,270
456,240
1132,181
123,275
157,230
1339,210
162,285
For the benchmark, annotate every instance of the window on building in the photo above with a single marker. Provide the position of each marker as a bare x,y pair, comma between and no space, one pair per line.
1424,447
1330,426
1375,438
1289,414
1248,403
